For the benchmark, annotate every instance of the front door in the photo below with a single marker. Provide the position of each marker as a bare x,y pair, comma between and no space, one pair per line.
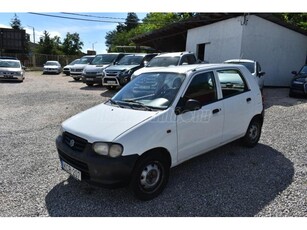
201,130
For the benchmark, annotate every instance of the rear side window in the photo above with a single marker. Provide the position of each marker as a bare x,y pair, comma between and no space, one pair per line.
232,82
202,88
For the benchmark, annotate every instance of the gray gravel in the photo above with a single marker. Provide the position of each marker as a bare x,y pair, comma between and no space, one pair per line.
268,180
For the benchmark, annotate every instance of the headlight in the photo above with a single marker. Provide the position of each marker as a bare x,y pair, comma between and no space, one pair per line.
108,149
83,72
125,72
61,131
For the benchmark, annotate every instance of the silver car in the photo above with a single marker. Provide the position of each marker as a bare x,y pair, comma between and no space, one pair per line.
11,70
52,67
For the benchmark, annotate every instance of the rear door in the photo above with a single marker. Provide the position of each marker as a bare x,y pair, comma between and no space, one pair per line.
237,101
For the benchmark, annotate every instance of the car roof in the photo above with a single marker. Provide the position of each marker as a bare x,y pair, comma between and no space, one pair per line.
8,57
240,60
174,54
192,67
10,60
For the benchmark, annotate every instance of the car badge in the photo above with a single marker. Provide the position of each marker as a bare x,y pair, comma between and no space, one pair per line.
72,143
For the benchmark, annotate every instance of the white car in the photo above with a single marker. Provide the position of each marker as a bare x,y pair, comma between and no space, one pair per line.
77,69
159,120
66,69
52,67
168,59
253,66
11,70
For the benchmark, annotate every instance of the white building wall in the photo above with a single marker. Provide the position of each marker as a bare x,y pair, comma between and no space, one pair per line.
278,49
223,40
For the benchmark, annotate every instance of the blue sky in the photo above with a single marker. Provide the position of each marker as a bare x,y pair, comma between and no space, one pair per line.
92,34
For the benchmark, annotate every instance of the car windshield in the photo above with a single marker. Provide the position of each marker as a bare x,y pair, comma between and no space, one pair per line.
131,60
9,64
51,63
304,70
85,60
74,62
104,59
149,91
249,65
163,61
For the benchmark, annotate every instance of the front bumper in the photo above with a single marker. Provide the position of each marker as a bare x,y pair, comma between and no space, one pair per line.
96,169
115,81
92,79
299,88
51,71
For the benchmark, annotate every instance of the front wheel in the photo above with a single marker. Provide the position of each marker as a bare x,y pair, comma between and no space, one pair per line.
253,133
150,176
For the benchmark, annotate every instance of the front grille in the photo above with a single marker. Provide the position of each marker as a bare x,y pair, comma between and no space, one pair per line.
91,73
76,70
76,164
74,142
298,86
112,73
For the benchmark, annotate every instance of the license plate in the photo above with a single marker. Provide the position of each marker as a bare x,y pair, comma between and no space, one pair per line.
71,170
90,79
111,82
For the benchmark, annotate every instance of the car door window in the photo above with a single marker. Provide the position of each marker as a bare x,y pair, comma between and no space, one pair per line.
202,88
184,60
232,82
191,59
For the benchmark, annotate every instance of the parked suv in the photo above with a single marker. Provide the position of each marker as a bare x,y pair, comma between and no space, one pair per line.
77,69
93,73
298,84
169,59
159,120
120,74
253,66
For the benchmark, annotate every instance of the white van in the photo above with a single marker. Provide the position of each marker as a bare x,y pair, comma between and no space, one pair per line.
159,120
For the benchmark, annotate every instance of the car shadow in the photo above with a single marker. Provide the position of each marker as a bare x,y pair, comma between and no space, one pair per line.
91,88
280,97
229,181
109,93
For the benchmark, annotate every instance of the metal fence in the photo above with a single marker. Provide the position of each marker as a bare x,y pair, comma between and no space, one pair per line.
38,60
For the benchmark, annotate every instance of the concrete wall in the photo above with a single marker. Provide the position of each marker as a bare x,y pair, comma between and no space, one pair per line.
278,49
223,40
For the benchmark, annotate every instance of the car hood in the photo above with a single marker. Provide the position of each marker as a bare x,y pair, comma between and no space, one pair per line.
104,122
121,67
4,69
300,78
96,67
51,66
79,66
68,66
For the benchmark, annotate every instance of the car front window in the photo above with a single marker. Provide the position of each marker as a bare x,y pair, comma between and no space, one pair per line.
163,61
103,59
131,60
150,91
249,65
304,70
9,64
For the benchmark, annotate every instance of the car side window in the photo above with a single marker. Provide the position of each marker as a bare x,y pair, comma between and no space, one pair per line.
232,82
184,60
191,59
202,88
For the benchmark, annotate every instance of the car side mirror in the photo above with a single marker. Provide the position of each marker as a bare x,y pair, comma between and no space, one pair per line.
190,105
294,72
261,73
23,67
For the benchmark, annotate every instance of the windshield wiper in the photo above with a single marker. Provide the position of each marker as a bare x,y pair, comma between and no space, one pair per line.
134,102
115,103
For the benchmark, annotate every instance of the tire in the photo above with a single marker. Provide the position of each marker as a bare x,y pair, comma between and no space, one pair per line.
150,176
253,133
89,84
76,78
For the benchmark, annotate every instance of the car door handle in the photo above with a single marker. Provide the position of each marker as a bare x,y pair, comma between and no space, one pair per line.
216,111
248,99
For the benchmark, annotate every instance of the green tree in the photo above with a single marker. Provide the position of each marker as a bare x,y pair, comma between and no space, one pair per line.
297,19
123,33
16,23
48,45
72,44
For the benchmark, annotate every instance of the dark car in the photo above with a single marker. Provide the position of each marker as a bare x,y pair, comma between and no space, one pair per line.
298,84
120,73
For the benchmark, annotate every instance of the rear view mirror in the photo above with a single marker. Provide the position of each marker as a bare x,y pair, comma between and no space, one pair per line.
261,73
190,105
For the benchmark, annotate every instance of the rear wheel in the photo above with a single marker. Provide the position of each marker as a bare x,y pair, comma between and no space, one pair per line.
253,133
150,176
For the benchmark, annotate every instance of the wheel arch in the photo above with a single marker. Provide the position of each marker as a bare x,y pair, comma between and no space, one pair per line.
158,150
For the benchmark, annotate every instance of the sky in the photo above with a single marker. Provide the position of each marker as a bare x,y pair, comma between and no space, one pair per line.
92,33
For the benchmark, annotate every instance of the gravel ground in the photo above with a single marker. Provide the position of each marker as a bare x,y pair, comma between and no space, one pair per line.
268,180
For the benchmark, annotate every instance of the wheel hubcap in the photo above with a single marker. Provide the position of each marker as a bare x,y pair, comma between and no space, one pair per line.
253,132
150,176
